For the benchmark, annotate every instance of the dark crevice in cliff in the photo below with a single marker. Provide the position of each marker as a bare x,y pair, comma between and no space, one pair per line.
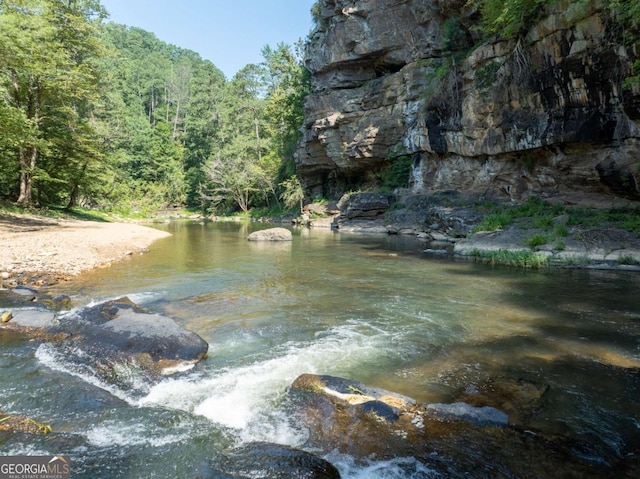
383,69
392,86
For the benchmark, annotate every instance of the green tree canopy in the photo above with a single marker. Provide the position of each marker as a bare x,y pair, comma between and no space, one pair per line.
49,79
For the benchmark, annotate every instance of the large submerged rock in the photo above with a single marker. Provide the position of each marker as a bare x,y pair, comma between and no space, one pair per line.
273,461
454,440
271,234
116,339
546,112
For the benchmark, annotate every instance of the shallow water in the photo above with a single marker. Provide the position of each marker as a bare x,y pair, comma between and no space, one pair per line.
370,308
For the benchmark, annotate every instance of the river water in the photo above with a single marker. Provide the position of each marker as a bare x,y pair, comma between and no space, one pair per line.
370,308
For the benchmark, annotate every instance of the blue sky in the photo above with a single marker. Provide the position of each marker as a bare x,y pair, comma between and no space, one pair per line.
230,33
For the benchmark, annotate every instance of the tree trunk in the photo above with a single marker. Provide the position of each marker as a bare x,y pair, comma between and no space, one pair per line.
28,158
257,125
29,155
175,120
75,190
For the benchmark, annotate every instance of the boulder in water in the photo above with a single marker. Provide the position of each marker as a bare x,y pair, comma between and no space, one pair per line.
452,440
120,331
114,334
271,234
274,461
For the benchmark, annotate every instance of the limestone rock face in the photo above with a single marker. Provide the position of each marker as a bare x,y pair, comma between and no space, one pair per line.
543,113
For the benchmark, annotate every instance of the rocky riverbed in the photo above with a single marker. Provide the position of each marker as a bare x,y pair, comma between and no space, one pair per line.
585,231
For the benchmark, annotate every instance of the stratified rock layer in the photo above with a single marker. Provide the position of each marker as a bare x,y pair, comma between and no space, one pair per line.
547,112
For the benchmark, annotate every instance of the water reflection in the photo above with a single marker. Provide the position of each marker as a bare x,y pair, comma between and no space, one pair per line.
374,309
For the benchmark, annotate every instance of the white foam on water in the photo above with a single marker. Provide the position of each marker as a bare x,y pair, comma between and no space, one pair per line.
25,450
48,356
397,468
244,398
115,433
145,297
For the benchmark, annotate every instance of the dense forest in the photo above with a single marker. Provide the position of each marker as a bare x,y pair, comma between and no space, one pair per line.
106,116
97,114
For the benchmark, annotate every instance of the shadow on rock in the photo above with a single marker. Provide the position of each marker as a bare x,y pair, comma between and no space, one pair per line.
456,440
273,461
118,341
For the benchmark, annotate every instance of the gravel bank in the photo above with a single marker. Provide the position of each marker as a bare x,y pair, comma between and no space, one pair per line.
40,251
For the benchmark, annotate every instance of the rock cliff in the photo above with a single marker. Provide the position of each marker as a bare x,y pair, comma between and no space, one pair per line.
547,112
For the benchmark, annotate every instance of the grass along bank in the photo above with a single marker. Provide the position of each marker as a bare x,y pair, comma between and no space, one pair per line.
538,234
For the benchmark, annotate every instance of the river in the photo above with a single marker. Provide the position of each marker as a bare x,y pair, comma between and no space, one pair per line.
371,308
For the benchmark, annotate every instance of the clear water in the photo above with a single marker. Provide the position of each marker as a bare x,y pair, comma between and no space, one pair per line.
370,308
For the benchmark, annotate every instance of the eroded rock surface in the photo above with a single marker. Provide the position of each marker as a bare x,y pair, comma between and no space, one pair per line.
117,340
545,113
271,234
456,440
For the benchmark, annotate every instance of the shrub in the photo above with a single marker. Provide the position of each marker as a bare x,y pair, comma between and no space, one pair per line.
495,221
398,173
486,75
537,240
509,17
454,35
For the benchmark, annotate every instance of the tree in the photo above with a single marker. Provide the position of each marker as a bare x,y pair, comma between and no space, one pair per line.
48,73
259,131
287,83
203,122
292,192
233,171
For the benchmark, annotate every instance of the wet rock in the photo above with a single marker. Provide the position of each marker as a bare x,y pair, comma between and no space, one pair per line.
117,339
352,392
34,319
12,423
27,293
271,234
55,303
132,333
354,418
517,397
273,461
480,416
120,332
101,313
454,440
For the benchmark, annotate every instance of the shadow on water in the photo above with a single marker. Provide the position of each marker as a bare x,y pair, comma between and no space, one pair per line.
558,351
584,347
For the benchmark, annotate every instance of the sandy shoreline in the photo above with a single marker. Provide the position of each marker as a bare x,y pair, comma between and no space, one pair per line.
40,251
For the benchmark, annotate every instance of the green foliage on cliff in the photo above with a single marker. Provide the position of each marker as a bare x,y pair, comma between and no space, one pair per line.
397,174
509,17
627,12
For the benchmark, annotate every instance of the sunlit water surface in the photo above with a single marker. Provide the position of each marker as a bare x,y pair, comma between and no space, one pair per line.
370,308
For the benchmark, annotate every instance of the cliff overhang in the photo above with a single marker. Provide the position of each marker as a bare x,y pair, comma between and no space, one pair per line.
544,113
